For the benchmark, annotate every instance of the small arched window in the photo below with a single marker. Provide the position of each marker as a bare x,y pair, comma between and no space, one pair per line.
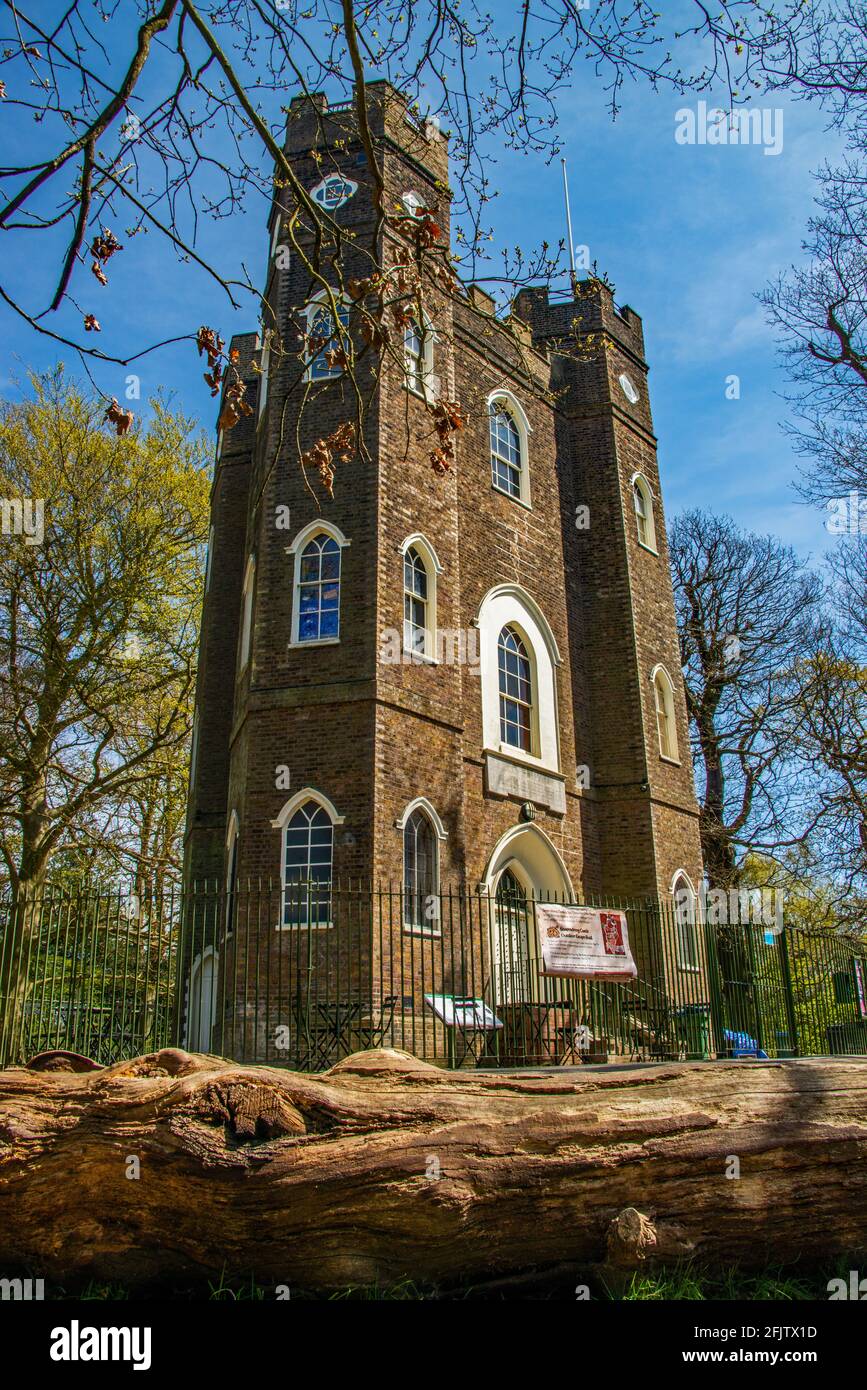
327,343
308,846
686,921
642,501
415,603
516,691
506,453
666,726
419,871
247,612
319,590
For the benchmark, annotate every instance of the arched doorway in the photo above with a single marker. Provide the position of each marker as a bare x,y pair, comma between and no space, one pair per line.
202,1005
524,866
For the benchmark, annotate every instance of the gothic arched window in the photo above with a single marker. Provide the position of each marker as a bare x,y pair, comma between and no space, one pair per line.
308,846
506,460
663,694
516,691
326,341
319,590
642,501
415,602
419,871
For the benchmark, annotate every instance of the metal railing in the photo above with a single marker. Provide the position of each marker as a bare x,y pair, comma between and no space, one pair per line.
305,975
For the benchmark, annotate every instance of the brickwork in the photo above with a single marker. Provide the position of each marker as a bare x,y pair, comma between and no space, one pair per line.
372,735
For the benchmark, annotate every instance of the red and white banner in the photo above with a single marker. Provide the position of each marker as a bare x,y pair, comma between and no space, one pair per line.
585,943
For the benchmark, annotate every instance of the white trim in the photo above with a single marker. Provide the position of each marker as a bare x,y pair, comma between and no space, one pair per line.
247,592
316,528
306,534
493,870
264,370
433,568
689,927
421,803
508,605
670,712
196,965
639,482
289,807
425,387
524,429
325,296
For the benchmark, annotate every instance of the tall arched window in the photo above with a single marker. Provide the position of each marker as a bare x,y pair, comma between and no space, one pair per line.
419,871
506,460
319,590
415,602
326,343
308,846
516,691
686,920
512,943
666,726
642,501
247,612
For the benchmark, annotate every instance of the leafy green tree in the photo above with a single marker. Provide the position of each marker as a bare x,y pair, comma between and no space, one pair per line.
99,605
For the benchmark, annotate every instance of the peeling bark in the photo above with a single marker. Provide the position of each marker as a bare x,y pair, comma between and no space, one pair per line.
386,1167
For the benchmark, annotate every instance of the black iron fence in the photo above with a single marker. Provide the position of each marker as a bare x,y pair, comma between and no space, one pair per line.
304,976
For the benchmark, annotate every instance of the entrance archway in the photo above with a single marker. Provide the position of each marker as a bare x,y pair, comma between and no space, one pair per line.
202,1005
524,866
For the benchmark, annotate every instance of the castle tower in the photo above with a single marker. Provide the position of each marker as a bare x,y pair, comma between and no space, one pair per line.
467,680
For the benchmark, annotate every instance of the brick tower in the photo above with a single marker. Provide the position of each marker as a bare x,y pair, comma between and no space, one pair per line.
468,680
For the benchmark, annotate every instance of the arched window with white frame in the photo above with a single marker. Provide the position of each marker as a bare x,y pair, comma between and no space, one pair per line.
327,342
666,723
247,612
317,551
420,570
509,442
418,354
423,834
516,691
306,824
642,501
518,660
686,921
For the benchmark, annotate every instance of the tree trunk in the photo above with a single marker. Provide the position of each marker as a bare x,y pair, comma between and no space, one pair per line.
387,1167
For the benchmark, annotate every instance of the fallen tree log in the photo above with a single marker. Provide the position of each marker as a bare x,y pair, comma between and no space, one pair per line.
176,1165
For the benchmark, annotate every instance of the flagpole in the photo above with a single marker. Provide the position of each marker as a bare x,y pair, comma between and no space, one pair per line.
573,276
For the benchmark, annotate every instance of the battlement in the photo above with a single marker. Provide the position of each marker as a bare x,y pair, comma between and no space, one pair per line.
591,310
313,123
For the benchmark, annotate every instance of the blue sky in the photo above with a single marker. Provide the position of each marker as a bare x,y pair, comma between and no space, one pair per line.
688,234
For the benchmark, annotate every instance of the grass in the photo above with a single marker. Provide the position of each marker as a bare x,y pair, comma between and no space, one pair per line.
684,1282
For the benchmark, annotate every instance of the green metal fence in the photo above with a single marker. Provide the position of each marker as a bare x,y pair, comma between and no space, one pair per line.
305,975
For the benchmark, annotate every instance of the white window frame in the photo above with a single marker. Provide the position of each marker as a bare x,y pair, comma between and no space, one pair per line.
508,605
433,567
686,927
419,378
282,819
440,836
264,372
314,528
506,400
247,595
323,299
640,485
208,558
660,679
